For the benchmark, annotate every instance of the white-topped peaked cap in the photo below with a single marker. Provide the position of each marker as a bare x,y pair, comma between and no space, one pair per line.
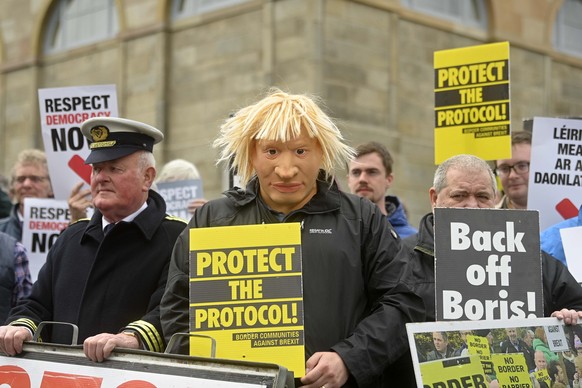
113,138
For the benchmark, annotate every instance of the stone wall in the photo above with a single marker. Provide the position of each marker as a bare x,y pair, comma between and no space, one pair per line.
370,61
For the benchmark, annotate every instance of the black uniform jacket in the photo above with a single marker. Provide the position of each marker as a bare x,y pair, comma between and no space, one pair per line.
105,283
355,277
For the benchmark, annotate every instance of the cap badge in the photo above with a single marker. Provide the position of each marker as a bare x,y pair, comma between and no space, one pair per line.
99,133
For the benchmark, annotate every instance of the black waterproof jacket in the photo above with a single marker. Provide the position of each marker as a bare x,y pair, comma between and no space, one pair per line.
355,277
104,284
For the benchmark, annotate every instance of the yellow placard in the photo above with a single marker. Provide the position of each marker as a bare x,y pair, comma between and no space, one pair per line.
542,376
480,346
511,370
453,372
246,293
472,112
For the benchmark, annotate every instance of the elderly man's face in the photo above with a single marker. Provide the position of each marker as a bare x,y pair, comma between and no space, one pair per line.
31,181
119,187
529,337
287,171
540,360
465,188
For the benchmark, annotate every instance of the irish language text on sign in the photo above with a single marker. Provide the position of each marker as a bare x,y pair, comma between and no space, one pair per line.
555,176
246,292
472,102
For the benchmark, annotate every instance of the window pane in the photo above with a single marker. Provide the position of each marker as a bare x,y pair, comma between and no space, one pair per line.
467,12
74,23
568,28
185,8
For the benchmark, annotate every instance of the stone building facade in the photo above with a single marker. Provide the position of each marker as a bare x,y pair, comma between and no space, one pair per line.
371,61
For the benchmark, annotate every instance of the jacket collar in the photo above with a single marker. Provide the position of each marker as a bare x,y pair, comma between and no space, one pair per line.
147,221
425,240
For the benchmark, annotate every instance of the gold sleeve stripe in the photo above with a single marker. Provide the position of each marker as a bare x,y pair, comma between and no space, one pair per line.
27,323
81,220
174,218
24,322
149,335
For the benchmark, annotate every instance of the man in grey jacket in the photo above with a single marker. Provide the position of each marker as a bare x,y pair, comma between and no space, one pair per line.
356,301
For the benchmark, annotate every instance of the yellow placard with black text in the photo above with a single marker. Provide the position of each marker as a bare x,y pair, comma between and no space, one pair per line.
479,346
472,114
455,372
511,370
246,293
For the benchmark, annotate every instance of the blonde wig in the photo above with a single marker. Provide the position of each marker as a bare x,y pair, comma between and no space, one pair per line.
280,117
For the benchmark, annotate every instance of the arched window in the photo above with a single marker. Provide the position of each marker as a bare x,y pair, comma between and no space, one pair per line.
75,23
472,13
184,8
568,28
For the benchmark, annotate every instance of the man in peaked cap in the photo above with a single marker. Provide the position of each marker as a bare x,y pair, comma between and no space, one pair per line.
107,143
106,274
113,138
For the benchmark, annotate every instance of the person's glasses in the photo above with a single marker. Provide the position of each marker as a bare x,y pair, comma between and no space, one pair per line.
33,178
519,168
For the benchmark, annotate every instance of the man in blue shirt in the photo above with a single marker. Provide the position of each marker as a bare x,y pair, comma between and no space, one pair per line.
551,238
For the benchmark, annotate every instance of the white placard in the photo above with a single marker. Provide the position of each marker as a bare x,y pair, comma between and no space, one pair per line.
555,173
62,111
44,219
572,243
